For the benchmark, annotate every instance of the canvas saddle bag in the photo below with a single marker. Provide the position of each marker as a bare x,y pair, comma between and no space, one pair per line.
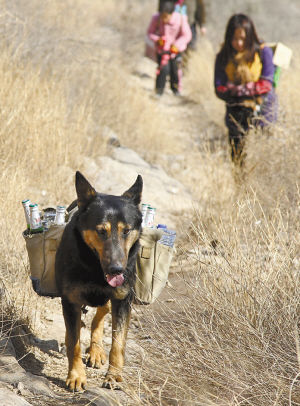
152,266
41,249
153,263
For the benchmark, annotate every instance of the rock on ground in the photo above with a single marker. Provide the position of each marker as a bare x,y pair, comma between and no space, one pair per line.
116,173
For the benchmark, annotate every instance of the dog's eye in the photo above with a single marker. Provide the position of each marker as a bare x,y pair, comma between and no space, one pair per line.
126,231
102,233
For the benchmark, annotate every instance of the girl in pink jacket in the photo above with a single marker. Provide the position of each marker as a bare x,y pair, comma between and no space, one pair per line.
171,33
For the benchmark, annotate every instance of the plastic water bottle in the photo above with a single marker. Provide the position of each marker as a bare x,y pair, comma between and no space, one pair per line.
60,215
144,213
149,221
168,237
49,217
35,219
26,204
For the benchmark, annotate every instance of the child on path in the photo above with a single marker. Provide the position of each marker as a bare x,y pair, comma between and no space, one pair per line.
195,10
244,73
196,15
171,33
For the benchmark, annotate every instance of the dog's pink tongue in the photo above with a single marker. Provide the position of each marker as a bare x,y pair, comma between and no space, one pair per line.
115,280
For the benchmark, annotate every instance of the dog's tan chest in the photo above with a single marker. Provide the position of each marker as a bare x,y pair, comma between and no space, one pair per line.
121,292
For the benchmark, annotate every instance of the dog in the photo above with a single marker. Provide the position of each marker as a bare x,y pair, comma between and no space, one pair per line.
96,266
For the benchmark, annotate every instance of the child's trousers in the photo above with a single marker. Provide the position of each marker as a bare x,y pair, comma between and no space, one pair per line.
173,69
238,120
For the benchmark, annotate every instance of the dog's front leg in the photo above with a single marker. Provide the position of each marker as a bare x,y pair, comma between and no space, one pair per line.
95,353
76,379
121,310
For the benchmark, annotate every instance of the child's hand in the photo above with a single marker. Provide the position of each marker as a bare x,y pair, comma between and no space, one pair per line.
161,42
230,86
222,89
247,89
203,30
174,49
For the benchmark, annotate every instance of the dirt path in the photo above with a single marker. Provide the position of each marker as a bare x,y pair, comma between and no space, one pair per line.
47,357
188,120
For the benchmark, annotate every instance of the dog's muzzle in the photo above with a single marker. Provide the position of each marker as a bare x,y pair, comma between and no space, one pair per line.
115,277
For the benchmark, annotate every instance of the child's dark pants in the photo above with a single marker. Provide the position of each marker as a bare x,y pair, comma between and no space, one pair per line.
238,120
171,68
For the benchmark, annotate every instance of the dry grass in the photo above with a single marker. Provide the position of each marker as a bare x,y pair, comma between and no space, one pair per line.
235,339
231,337
51,118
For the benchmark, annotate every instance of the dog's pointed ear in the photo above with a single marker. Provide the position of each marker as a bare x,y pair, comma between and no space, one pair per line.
135,192
85,192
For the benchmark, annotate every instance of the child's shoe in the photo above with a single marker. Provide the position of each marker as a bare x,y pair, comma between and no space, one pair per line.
176,92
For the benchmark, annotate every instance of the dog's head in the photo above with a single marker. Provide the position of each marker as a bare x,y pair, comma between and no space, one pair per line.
110,225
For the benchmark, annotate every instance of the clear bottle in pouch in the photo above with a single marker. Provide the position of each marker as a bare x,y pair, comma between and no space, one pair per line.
26,208
35,219
60,215
150,217
144,213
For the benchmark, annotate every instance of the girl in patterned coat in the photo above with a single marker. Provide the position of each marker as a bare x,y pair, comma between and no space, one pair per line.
244,73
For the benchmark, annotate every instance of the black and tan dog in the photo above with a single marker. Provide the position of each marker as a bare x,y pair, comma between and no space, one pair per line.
96,266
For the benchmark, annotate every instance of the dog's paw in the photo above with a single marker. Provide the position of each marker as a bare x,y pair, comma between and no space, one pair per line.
95,356
76,380
111,381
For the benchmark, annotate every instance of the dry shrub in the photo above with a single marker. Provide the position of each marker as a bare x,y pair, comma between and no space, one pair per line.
199,79
273,158
231,338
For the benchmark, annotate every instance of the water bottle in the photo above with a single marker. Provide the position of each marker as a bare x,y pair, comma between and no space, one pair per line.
35,219
60,215
49,216
144,213
26,204
149,221
168,237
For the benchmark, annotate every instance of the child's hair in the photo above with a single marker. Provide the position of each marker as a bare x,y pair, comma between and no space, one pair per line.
252,43
167,7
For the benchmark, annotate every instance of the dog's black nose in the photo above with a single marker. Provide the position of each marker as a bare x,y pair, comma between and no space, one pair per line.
115,270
